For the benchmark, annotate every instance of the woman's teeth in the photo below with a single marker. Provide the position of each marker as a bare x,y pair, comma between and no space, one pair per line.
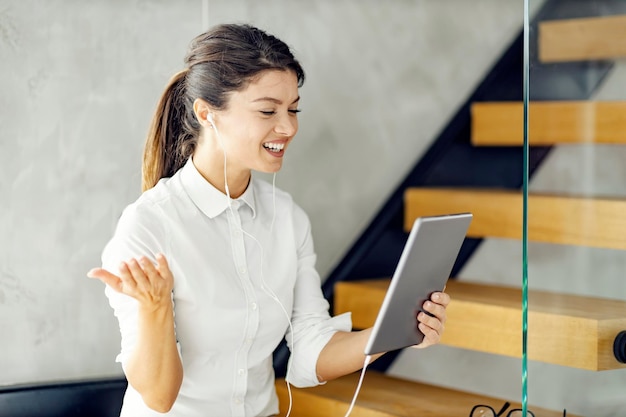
274,147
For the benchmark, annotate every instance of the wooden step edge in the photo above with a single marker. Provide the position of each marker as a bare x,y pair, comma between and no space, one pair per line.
550,123
582,39
567,220
566,330
386,396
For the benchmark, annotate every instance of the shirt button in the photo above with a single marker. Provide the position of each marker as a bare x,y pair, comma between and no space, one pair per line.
238,400
241,372
253,305
243,270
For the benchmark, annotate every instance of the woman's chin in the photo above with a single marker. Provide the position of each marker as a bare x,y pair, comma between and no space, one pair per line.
271,168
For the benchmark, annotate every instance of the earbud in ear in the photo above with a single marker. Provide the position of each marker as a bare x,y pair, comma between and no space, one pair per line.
210,118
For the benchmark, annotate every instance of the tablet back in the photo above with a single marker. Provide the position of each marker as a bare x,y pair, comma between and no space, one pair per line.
424,267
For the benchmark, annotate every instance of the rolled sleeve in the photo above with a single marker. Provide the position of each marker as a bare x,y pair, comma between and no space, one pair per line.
309,342
312,327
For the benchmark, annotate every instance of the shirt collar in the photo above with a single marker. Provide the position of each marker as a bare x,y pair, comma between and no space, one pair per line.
211,201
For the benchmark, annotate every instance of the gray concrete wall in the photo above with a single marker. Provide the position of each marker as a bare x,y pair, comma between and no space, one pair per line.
79,82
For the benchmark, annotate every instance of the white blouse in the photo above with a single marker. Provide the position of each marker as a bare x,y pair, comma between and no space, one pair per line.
228,263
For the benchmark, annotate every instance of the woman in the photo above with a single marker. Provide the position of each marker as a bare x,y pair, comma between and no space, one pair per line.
210,268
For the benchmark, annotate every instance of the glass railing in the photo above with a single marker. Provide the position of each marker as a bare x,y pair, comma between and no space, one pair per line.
576,207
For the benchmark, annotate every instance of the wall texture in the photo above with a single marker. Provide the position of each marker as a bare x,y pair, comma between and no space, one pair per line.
80,80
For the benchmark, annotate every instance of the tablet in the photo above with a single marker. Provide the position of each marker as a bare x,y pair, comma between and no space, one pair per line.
424,267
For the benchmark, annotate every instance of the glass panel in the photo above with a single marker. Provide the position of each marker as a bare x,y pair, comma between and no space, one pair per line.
577,206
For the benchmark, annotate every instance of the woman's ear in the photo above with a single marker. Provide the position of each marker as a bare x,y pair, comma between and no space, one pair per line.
203,110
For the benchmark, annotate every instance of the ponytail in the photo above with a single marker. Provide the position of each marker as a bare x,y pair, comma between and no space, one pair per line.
171,138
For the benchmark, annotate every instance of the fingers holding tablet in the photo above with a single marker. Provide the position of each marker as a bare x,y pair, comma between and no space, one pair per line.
431,321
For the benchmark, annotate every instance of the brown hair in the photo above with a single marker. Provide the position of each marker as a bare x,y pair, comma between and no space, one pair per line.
224,59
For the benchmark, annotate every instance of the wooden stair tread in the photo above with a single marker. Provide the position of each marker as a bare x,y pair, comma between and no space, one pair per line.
566,330
386,396
582,39
595,222
550,123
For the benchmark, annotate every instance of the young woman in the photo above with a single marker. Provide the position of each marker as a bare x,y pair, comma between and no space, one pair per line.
211,267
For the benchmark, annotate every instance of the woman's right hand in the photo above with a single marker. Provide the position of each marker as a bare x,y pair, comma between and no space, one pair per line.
153,366
151,285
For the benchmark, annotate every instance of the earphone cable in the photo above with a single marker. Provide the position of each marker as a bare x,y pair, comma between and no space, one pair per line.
367,361
273,295
266,288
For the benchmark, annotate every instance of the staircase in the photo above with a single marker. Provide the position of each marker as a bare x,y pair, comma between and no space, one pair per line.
564,329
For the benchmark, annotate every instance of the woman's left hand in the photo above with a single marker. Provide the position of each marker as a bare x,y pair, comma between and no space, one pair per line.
433,326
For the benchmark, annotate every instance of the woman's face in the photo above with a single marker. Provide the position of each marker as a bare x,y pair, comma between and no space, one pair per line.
259,122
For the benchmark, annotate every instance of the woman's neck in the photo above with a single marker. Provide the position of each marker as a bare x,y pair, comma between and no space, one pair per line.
213,171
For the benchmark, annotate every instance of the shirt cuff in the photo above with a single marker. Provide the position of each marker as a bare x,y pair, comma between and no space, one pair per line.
307,346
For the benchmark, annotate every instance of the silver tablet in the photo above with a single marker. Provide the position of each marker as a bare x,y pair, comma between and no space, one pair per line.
424,267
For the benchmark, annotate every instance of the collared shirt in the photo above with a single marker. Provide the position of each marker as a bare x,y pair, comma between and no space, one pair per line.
239,271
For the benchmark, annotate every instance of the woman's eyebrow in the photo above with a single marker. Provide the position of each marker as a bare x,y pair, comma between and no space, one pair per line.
275,100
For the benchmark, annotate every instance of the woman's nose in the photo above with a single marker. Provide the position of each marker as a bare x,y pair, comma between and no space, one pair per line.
287,125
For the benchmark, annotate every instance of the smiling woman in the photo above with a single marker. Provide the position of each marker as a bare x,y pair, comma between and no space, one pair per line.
220,66
204,282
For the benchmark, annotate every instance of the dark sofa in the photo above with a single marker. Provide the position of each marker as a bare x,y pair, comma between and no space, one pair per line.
88,398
